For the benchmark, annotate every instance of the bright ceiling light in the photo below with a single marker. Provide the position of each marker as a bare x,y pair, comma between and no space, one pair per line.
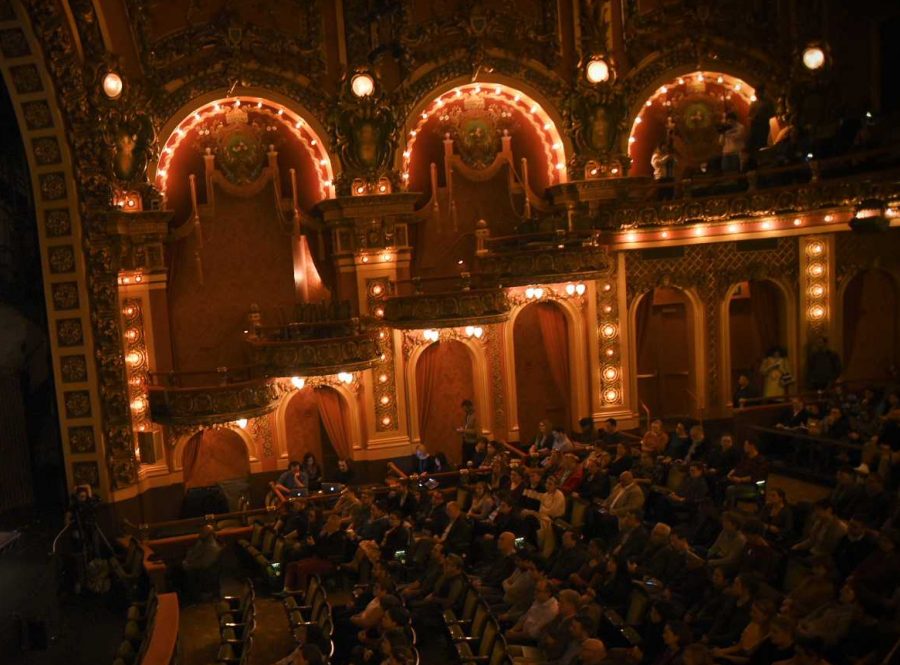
362,85
597,70
112,85
813,57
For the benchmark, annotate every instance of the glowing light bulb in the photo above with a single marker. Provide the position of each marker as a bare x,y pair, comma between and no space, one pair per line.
570,289
385,400
345,377
611,395
610,373
112,85
386,421
597,70
382,378
242,423
813,58
362,85
608,330
298,382
580,289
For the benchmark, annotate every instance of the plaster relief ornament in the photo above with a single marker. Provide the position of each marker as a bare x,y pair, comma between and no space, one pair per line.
240,143
476,127
130,137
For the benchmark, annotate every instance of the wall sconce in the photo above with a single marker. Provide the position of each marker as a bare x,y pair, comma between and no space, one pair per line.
362,85
597,70
534,292
113,85
814,57
474,331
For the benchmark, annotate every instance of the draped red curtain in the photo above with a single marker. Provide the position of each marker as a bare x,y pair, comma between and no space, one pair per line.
332,413
642,322
764,306
556,343
427,377
853,310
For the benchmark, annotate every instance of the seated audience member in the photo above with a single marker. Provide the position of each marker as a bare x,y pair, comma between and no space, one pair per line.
402,499
517,590
759,557
832,621
571,474
311,473
693,491
625,497
761,613
556,636
581,627
200,563
293,524
542,611
846,493
728,548
593,565
482,503
797,418
344,474
457,535
825,531
324,552
835,425
434,570
727,627
595,483
722,458
448,592
744,393
655,439
622,461
807,651
435,519
813,591
876,578
588,434
699,446
778,645
290,482
479,454
304,654
854,547
676,637
568,559
422,462
711,603
500,565
778,517
743,478
679,442
543,440
552,504
632,537
610,435
614,588
874,502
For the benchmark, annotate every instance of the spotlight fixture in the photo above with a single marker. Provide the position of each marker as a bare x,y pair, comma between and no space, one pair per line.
362,85
597,70
813,57
112,85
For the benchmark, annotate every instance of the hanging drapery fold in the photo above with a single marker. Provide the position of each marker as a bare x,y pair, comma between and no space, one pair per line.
331,412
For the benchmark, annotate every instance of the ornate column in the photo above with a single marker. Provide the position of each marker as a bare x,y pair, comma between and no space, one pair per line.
817,291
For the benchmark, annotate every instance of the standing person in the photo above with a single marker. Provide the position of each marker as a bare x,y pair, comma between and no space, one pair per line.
663,163
733,137
823,366
468,430
82,515
761,111
776,373
290,482
310,473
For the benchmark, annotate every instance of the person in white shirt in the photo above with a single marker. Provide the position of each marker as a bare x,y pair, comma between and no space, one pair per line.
542,611
553,505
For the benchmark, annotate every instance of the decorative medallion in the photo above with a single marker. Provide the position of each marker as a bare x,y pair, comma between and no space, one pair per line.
61,259
53,186
26,79
46,150
13,43
65,295
476,127
73,369
240,143
69,332
81,440
77,403
37,115
57,223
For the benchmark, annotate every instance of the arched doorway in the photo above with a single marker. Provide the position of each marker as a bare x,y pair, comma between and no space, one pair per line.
757,322
543,384
870,311
444,378
666,356
212,456
316,421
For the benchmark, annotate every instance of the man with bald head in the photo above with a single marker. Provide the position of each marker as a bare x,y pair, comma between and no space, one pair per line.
626,496
457,535
502,564
593,652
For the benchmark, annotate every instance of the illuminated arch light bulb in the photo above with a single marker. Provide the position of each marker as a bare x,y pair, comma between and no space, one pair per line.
385,400
813,57
766,225
610,373
797,221
470,331
597,70
610,353
385,257
829,218
377,290
607,309
379,312
241,422
479,332
386,421
570,289
133,358
815,249
816,291
580,289
131,334
382,378
298,382
816,312
611,395
732,228
431,335
113,85
345,377
608,330
362,85
538,293
529,292
816,270
607,287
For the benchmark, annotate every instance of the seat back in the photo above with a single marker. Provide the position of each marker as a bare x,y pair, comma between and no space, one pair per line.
498,652
317,603
462,498
579,513
312,586
637,607
488,637
675,479
278,550
479,619
469,604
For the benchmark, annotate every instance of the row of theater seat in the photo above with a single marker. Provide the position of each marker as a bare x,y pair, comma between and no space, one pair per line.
140,616
265,550
237,624
310,607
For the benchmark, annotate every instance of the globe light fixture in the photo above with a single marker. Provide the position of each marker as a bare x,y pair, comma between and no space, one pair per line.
112,85
813,57
362,85
597,70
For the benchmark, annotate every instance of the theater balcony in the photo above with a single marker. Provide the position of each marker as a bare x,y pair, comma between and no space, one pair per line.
183,399
445,302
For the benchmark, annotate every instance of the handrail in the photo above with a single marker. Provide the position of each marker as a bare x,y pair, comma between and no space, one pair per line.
807,396
799,434
164,631
513,449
